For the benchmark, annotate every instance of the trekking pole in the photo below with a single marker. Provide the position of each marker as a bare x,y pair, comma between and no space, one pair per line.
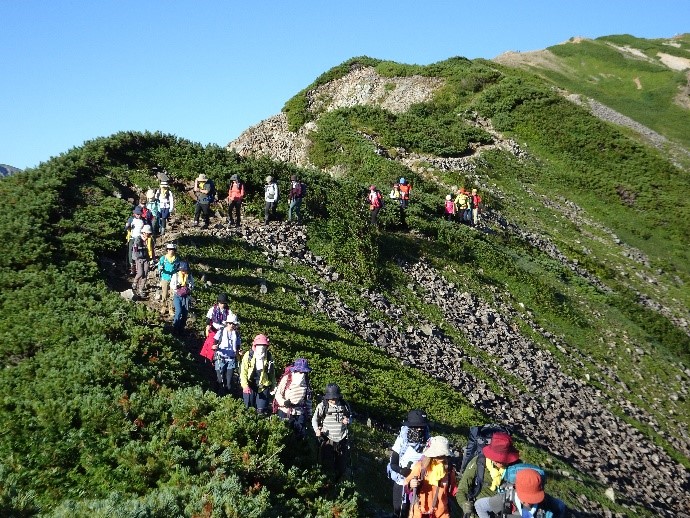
413,501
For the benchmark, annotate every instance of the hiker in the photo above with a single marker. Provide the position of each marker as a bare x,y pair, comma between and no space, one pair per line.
293,397
330,423
449,208
165,204
226,347
271,198
297,192
483,474
462,206
205,195
405,189
257,375
161,173
143,256
407,450
215,319
474,201
395,193
375,203
153,205
235,197
432,481
526,499
181,284
167,266
133,227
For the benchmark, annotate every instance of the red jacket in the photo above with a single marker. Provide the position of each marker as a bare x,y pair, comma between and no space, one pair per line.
236,191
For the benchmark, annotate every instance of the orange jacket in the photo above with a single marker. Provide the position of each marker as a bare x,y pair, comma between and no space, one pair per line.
425,494
405,189
236,191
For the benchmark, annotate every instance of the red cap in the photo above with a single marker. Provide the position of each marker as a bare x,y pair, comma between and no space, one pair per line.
501,449
529,487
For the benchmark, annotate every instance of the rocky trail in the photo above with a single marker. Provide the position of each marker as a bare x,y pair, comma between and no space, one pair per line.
568,416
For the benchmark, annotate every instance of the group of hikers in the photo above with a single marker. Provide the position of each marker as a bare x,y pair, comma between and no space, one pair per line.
400,194
462,206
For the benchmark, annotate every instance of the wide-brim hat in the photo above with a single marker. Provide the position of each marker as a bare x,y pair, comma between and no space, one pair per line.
137,210
260,340
146,229
437,447
416,419
501,449
300,365
234,178
231,319
201,178
529,486
269,179
183,267
171,246
332,392
222,298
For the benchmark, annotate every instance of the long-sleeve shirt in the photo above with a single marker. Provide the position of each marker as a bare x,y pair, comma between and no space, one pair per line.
236,191
426,492
296,393
329,419
179,279
228,341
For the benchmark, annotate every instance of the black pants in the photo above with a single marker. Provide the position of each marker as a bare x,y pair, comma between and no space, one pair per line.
270,211
205,209
401,506
334,457
235,206
375,215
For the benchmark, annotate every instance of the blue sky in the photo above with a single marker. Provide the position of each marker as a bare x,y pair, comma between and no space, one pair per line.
74,70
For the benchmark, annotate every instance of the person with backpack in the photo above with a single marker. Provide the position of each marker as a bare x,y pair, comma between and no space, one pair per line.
474,201
375,199
462,204
153,206
167,267
226,349
483,473
205,192
407,449
166,204
395,192
297,191
181,284
405,189
330,423
432,481
133,227
215,319
143,256
293,397
526,499
271,199
257,375
235,197
449,209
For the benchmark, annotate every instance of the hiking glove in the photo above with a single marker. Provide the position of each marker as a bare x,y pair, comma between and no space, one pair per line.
405,471
288,403
467,510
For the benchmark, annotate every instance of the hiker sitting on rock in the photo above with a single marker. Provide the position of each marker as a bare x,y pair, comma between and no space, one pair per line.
483,474
407,450
257,375
432,481
293,397
526,499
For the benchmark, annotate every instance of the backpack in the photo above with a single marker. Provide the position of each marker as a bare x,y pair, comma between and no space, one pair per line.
147,215
379,198
508,488
211,196
287,372
479,437
302,190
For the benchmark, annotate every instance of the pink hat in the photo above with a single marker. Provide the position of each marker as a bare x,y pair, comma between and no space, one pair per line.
501,449
260,340
372,187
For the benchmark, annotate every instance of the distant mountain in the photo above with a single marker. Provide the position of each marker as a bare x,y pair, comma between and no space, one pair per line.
7,170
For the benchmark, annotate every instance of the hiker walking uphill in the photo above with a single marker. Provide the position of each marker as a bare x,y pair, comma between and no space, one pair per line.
293,397
405,189
133,227
182,284
257,375
166,204
483,473
215,319
167,267
235,197
205,193
330,423
143,256
226,348
462,206
271,199
153,206
474,202
407,450
297,191
432,481
526,499
375,204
